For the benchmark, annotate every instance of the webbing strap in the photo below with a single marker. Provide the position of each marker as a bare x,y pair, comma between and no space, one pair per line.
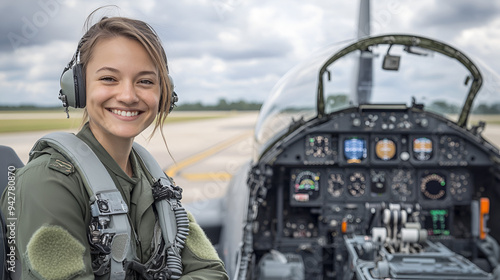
166,215
107,202
172,217
93,172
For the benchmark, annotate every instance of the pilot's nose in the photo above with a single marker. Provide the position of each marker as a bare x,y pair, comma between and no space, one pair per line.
128,94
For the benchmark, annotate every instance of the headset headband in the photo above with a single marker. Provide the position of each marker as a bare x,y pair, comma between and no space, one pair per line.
73,91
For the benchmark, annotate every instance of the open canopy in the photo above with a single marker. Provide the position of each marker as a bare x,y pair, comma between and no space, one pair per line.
396,70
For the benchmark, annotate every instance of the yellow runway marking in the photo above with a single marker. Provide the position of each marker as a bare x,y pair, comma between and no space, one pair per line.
174,170
207,176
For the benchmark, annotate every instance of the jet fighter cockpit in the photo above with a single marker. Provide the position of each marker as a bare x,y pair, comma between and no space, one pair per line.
370,163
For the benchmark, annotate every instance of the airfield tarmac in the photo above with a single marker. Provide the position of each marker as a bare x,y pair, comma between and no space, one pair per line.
207,152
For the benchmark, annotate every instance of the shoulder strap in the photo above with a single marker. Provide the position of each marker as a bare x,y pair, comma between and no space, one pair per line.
107,204
172,216
166,215
96,178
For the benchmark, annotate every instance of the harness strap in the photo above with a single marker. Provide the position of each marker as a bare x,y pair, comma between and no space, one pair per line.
167,198
165,213
107,204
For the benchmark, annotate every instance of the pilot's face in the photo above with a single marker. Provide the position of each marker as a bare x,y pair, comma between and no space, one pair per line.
123,89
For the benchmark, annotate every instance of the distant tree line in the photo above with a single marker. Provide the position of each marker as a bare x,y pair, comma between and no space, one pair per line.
443,108
28,108
440,106
481,109
484,109
222,105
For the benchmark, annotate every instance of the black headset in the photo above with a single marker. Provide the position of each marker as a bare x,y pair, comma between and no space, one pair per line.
73,92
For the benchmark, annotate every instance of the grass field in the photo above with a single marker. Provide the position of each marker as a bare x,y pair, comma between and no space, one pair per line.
37,124
55,120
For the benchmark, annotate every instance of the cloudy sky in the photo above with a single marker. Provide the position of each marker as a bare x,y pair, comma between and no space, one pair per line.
232,49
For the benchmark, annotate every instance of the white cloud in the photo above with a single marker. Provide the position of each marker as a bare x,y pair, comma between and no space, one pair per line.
33,75
484,39
233,48
300,25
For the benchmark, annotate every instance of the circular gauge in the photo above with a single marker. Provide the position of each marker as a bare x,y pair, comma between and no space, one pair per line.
385,149
433,186
318,146
356,184
336,184
306,186
402,183
422,148
459,185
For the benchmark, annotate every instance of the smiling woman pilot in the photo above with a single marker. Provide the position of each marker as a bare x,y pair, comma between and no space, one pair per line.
65,228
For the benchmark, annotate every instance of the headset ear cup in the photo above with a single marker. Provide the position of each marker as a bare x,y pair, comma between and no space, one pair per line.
79,82
174,98
73,86
68,87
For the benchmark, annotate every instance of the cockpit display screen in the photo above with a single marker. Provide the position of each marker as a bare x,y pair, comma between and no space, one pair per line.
355,149
437,222
422,148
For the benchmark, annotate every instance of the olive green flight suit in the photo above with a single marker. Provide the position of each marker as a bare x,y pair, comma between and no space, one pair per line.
50,211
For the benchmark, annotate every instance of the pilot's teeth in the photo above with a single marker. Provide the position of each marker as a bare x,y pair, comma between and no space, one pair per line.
125,113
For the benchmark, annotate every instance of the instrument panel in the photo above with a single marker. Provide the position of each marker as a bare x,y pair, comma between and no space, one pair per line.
357,171
371,158
316,186
377,167
327,149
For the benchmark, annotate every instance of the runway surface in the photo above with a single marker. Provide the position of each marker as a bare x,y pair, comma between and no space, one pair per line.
207,152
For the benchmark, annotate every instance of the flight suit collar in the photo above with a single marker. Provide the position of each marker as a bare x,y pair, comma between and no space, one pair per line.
139,170
142,198
88,137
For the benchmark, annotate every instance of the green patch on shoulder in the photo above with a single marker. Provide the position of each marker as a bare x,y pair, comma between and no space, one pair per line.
198,242
55,254
60,164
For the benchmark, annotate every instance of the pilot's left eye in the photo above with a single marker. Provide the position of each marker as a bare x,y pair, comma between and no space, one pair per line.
107,79
147,82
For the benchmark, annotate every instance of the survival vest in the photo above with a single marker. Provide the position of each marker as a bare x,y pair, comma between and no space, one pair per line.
110,231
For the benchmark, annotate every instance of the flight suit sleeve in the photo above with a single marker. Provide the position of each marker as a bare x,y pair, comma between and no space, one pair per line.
199,258
50,220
